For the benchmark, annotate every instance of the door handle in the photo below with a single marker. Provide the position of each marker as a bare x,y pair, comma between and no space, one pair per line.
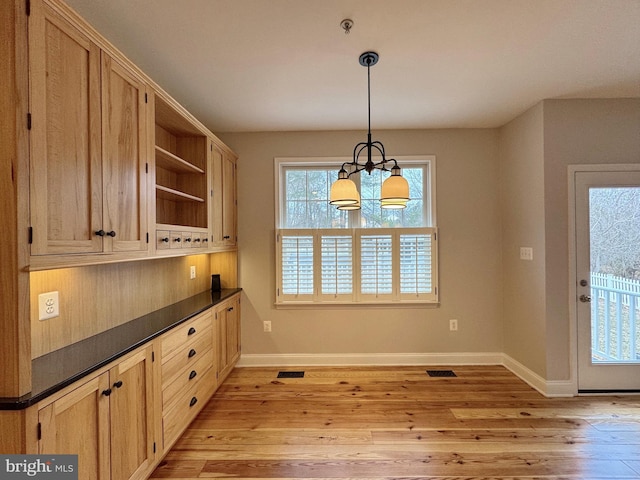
585,298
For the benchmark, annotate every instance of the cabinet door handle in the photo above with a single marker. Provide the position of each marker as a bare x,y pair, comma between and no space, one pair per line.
192,375
111,233
193,401
118,384
106,392
100,233
226,237
191,331
192,352
229,309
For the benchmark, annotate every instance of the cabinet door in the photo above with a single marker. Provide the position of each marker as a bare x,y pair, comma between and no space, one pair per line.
229,231
78,423
221,341
223,199
233,330
132,418
124,158
65,170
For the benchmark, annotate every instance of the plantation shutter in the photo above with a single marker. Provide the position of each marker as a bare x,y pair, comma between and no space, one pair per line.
296,266
416,265
337,266
376,266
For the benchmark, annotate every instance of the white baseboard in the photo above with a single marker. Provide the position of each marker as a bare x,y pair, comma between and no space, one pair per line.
548,388
364,359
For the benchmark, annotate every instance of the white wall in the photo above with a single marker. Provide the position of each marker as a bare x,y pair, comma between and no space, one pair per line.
470,253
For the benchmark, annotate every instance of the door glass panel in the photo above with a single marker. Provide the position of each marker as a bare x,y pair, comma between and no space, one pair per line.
614,229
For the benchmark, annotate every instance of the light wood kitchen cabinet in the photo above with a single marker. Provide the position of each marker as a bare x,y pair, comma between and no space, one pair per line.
224,199
88,180
227,317
188,374
107,420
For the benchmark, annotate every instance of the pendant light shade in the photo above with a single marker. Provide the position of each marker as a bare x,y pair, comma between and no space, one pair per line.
344,191
395,189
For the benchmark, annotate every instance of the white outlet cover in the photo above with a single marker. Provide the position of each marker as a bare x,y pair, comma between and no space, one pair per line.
48,305
192,272
526,253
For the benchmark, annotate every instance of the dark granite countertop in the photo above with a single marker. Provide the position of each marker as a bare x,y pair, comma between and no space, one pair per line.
56,370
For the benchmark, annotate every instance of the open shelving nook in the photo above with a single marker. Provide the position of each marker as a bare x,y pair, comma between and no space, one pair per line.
181,153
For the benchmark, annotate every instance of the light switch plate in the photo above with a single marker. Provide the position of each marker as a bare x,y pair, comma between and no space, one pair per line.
48,305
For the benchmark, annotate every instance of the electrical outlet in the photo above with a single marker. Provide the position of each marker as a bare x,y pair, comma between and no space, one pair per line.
453,325
266,325
192,272
48,305
526,253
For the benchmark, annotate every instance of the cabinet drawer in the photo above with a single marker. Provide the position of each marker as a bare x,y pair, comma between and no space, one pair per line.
187,357
178,417
181,336
185,379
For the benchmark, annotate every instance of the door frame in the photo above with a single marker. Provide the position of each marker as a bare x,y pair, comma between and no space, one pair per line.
572,170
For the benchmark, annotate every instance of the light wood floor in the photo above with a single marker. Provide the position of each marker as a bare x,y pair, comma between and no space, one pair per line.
399,423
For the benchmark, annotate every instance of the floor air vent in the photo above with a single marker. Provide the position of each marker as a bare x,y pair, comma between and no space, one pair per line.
290,374
441,373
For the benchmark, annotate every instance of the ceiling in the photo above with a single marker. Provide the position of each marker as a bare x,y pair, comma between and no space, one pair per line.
276,65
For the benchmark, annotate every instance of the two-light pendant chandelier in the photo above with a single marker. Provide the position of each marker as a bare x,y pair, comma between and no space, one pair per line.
395,189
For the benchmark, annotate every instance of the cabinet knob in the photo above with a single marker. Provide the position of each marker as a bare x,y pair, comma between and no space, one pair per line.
188,239
100,233
192,352
229,309
111,233
193,401
192,375
165,239
206,240
106,392
197,240
118,384
177,239
226,237
191,331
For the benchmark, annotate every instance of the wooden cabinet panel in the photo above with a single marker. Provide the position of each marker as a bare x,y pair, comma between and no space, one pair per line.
228,336
124,158
223,217
108,421
78,423
66,171
132,452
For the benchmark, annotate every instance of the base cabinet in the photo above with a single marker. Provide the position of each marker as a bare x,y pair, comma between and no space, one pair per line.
107,421
227,317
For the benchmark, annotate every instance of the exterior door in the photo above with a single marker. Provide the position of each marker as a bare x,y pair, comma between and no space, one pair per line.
607,231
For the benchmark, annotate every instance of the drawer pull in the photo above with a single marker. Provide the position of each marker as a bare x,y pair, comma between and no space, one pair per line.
177,239
118,384
192,352
101,233
229,309
192,375
191,331
111,234
193,401
106,392
164,239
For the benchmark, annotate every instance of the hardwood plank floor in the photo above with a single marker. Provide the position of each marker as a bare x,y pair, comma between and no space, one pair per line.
383,423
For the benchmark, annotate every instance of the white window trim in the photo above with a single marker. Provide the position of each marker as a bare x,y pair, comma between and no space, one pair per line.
316,299
336,162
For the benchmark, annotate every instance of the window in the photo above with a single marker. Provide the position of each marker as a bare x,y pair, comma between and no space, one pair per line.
371,255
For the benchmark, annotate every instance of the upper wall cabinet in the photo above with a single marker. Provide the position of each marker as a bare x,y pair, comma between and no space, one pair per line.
88,181
224,218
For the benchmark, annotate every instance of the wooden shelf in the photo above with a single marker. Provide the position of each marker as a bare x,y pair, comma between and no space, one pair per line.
167,193
169,161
